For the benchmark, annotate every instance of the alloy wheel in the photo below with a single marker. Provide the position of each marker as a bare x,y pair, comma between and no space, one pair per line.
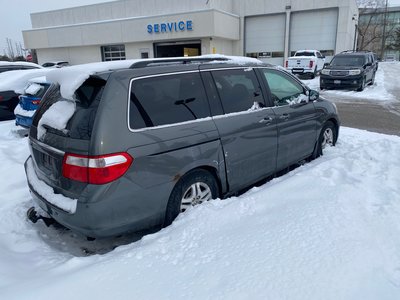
327,137
197,193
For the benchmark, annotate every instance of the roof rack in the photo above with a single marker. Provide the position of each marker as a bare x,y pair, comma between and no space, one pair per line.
170,61
352,51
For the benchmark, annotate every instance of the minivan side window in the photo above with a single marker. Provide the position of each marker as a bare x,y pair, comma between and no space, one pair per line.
167,99
283,88
238,89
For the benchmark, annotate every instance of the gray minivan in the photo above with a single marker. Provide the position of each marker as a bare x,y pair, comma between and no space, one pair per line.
144,143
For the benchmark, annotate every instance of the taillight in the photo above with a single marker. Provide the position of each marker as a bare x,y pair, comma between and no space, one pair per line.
311,64
96,169
36,102
1,98
286,64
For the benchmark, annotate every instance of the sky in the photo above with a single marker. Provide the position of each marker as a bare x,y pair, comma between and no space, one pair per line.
15,15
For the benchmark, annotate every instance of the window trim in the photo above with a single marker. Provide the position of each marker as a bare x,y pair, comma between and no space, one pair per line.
165,125
237,68
285,74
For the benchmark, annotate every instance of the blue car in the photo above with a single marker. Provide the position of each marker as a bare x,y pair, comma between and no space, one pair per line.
29,102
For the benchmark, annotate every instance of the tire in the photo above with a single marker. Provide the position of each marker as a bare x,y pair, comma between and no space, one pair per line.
361,88
328,136
372,80
314,74
194,188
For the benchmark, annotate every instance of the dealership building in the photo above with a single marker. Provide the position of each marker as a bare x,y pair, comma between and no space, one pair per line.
126,29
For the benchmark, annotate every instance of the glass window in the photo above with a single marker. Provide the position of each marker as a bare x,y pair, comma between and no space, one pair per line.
166,100
238,89
113,52
283,89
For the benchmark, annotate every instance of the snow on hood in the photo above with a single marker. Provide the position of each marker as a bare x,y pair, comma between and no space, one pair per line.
17,80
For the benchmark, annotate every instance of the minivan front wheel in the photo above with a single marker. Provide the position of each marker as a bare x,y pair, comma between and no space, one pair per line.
194,188
327,137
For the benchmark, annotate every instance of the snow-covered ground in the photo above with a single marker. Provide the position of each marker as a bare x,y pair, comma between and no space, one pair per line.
386,79
327,230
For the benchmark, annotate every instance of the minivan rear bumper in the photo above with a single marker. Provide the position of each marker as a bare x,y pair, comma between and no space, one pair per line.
99,218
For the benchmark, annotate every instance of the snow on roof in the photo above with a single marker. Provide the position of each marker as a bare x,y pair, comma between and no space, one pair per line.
19,63
17,80
71,78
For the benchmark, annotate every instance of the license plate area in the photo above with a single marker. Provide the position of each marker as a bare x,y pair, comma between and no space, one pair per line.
337,81
47,161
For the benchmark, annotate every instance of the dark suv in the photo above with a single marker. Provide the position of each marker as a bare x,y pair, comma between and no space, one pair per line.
142,144
349,70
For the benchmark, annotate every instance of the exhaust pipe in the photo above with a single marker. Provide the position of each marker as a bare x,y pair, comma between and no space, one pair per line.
33,216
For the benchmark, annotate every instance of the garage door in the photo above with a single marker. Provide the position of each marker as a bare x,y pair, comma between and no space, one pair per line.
314,30
265,38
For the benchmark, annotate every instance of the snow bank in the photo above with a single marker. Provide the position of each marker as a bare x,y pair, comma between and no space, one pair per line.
327,230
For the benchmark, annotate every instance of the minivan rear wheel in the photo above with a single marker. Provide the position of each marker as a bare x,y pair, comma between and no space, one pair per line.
194,188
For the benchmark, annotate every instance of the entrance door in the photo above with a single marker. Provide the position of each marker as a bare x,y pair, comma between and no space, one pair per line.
176,49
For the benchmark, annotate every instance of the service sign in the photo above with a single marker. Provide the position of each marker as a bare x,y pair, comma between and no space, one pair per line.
178,26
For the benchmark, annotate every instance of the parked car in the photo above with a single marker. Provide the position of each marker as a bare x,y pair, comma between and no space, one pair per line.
30,100
139,145
308,62
6,66
349,70
8,101
390,57
55,64
12,85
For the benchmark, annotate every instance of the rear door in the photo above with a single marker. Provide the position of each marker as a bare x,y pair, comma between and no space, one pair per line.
247,127
295,115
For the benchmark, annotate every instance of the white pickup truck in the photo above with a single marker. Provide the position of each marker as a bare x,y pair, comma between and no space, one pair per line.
306,62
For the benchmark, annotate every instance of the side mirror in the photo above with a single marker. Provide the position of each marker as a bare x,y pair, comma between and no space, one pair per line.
313,95
326,64
368,64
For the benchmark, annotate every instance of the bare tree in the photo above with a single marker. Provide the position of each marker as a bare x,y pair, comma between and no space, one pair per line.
374,27
10,48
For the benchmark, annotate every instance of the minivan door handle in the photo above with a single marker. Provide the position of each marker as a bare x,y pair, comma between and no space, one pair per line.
284,117
266,120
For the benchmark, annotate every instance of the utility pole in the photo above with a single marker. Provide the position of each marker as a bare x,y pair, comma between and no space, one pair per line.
355,32
384,31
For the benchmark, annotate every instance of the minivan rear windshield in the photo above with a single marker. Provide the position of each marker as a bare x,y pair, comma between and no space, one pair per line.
88,97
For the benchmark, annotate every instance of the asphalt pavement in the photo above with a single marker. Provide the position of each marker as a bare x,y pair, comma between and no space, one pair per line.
369,116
